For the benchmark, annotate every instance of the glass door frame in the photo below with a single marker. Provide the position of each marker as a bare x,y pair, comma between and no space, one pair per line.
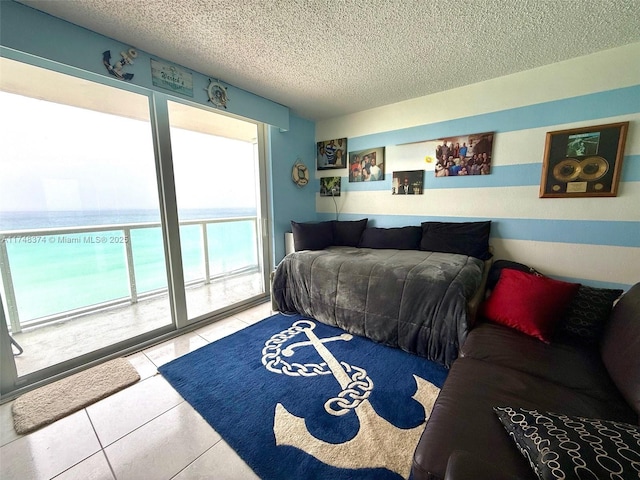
172,243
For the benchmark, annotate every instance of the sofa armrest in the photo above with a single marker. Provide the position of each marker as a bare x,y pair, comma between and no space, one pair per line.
463,466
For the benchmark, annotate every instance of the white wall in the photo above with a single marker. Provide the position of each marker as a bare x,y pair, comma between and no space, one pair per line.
592,240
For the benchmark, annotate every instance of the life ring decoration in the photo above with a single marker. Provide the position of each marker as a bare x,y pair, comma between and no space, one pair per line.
300,174
217,94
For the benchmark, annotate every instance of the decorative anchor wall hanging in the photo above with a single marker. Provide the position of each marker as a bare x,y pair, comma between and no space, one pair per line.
217,94
356,386
116,68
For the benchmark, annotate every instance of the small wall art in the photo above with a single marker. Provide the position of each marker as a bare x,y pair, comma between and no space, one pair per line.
366,165
408,182
583,162
330,186
171,77
332,154
462,155
116,69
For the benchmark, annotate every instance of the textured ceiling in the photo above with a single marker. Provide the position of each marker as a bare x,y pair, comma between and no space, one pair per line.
324,58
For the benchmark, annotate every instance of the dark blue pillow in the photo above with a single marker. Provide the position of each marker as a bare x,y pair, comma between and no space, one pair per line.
400,238
348,233
587,315
465,238
312,236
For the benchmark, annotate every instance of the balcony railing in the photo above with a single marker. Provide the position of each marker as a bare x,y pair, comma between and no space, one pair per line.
123,247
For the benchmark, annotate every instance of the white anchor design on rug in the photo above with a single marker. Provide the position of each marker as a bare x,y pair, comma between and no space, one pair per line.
384,445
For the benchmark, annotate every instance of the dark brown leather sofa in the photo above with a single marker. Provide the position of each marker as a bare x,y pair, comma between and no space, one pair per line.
499,367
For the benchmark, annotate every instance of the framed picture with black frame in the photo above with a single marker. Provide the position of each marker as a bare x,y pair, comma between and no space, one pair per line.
331,154
583,162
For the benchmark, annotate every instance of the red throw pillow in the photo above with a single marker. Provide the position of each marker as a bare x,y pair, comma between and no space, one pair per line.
529,303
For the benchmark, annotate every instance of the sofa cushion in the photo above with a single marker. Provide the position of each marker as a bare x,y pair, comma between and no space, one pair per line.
348,233
401,238
529,303
463,465
587,315
560,446
463,418
312,236
620,347
580,369
465,238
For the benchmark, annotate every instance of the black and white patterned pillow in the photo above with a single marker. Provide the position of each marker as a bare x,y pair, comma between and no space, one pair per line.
587,315
563,447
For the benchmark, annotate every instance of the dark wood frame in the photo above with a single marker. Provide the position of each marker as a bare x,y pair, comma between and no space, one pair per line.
592,170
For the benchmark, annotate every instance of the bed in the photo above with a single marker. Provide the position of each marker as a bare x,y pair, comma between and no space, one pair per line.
417,299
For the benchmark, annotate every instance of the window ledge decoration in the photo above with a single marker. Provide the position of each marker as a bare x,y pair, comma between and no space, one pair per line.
217,94
116,68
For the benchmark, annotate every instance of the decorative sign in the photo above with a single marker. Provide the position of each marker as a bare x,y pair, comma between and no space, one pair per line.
171,78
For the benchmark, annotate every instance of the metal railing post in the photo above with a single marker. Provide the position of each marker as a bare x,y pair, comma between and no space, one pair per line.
7,281
205,245
133,290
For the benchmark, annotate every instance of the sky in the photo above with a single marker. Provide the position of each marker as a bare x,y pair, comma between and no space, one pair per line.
58,157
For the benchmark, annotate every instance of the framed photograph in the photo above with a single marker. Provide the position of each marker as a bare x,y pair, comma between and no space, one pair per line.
366,165
583,162
330,186
408,182
331,154
463,155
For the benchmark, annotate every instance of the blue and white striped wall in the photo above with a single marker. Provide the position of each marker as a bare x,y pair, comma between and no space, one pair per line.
595,241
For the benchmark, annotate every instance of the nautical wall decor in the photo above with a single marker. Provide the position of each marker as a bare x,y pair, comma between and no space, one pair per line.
116,68
171,78
217,93
300,173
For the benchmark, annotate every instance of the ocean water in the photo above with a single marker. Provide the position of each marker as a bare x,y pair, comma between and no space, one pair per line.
54,273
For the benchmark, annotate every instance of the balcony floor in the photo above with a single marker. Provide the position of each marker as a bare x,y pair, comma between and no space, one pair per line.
51,344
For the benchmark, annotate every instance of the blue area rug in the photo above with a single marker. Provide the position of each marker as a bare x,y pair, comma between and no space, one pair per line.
299,399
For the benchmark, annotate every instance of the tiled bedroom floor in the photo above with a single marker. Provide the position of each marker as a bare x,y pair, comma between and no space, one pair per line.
145,432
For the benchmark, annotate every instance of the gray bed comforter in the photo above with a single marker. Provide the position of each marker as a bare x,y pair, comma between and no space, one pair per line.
411,299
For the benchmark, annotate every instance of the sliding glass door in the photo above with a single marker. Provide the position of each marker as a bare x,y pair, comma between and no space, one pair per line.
216,170
81,251
87,266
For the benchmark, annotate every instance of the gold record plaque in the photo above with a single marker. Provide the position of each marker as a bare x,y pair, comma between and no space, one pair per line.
583,162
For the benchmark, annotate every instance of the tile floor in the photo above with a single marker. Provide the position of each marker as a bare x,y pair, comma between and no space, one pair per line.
145,432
